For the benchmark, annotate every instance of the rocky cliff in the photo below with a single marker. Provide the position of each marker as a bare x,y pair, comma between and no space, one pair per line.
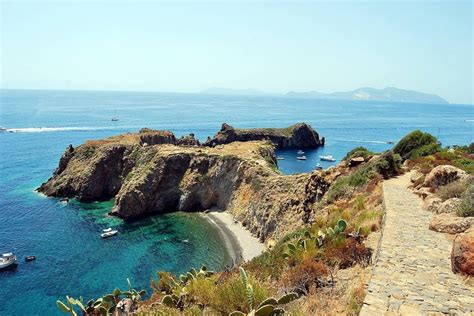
299,135
150,172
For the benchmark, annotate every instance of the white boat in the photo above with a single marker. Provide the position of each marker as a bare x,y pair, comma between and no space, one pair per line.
7,259
280,158
3,129
327,158
115,118
107,230
300,152
109,233
318,166
301,157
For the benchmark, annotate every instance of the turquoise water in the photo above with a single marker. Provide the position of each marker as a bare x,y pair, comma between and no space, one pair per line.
73,260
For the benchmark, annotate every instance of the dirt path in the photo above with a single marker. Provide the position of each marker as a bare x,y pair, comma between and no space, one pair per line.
412,273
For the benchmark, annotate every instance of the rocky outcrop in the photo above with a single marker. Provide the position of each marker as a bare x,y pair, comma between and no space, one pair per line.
450,223
148,173
449,206
296,136
154,137
443,175
462,254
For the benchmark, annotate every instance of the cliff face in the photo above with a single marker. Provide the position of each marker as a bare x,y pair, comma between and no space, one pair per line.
296,136
148,177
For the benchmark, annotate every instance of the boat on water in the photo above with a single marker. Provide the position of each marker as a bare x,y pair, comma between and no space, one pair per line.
318,166
7,259
3,129
301,157
389,142
327,158
300,152
30,258
114,118
108,232
280,158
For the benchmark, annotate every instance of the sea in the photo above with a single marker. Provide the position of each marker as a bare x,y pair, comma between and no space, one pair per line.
71,257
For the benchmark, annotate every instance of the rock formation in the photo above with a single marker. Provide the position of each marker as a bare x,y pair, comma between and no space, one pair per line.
296,136
153,172
462,255
444,174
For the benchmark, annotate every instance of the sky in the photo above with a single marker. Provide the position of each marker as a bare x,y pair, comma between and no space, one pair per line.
273,46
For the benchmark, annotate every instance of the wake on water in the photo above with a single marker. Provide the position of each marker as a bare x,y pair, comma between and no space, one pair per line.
55,129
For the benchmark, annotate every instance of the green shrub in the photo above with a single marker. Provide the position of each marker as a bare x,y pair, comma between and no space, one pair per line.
452,190
416,144
467,205
465,164
358,152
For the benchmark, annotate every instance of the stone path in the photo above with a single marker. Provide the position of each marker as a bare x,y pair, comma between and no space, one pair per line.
412,272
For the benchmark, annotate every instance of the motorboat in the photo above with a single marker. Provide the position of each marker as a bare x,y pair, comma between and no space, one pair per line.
300,152
327,158
30,258
114,118
108,232
389,142
280,158
301,157
3,129
7,259
318,166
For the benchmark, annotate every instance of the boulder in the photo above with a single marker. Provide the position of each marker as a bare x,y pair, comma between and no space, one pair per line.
356,161
450,223
416,177
432,203
462,254
443,175
448,206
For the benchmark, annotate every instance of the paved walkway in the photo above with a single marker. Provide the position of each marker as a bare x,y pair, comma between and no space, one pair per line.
412,272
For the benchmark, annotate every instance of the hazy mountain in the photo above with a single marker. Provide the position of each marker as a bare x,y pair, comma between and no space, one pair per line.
367,93
225,91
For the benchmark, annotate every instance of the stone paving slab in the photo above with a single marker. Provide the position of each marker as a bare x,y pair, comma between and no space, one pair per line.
412,271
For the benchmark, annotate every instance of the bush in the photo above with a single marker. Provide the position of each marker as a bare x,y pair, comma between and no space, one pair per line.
452,190
347,253
467,205
417,144
304,276
358,152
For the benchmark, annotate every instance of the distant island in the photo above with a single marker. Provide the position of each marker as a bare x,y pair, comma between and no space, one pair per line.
367,93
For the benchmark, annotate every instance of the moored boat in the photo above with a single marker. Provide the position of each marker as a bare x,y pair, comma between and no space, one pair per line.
318,166
7,259
301,157
327,158
108,233
300,152
30,258
280,158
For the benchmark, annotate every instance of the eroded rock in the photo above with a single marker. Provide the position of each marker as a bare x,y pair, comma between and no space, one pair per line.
450,223
462,254
449,206
443,175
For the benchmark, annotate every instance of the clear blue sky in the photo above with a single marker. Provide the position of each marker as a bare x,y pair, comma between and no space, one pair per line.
272,46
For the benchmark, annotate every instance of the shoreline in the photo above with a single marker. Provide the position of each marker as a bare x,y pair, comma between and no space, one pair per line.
241,245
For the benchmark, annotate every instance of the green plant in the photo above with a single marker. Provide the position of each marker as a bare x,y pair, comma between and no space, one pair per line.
268,306
105,305
467,204
452,190
358,152
416,144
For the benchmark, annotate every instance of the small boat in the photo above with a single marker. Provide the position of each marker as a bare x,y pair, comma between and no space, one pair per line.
327,158
109,233
301,157
106,230
280,158
64,200
115,118
185,241
30,258
318,166
389,142
300,152
3,129
7,259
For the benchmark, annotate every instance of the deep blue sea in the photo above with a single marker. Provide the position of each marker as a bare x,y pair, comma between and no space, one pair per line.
73,260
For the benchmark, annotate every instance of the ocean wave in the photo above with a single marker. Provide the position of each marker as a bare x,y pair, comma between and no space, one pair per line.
54,129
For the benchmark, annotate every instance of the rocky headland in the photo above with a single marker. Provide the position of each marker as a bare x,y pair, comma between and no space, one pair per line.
154,172
299,135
